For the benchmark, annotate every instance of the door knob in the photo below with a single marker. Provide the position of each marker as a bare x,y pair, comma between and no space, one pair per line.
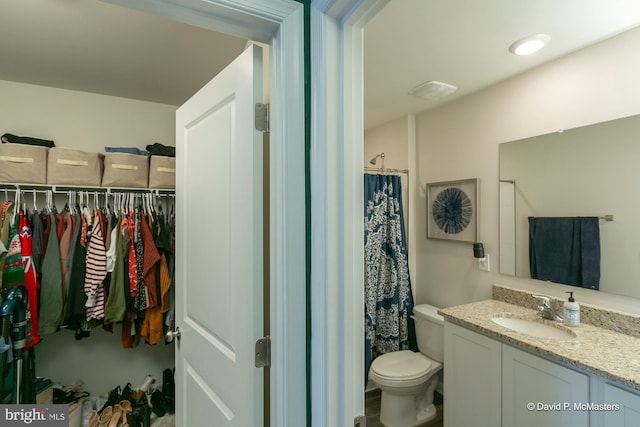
171,335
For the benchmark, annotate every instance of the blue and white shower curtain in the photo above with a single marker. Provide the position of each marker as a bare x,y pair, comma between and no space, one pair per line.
388,299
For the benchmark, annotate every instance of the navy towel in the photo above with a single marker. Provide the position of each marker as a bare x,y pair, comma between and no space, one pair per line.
565,250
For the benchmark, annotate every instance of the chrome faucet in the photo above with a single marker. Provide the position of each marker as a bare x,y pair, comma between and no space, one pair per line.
546,310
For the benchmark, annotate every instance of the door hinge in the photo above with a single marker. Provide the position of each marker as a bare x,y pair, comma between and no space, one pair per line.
360,421
263,352
262,117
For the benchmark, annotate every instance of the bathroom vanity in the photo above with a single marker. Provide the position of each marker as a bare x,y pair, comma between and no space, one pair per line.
513,375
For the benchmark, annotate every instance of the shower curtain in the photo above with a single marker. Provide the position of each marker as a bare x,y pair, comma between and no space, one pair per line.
388,299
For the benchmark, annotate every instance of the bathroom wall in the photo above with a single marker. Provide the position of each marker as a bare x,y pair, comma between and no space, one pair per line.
390,139
460,140
90,122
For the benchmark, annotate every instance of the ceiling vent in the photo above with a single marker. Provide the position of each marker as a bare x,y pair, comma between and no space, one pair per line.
433,90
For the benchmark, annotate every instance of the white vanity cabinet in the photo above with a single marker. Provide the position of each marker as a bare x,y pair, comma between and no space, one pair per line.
472,372
494,378
487,383
537,392
614,405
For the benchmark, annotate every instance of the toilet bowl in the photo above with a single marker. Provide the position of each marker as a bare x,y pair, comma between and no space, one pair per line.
408,379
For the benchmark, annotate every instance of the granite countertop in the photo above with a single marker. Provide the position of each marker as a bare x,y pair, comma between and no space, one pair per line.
609,354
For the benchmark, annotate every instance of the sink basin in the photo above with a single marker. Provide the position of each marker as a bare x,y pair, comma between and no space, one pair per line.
534,328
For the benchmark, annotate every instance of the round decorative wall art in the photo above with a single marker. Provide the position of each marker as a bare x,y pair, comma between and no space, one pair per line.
452,210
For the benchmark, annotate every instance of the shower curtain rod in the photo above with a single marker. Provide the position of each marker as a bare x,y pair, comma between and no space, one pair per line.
387,170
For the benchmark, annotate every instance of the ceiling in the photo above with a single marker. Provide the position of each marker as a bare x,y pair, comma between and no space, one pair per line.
465,43
92,46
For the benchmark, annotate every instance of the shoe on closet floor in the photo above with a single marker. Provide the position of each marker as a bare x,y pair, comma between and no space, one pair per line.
140,417
114,397
94,419
138,396
148,382
105,417
120,412
127,392
157,403
168,391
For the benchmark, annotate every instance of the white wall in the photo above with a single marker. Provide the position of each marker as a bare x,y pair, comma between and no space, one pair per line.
460,140
90,122
81,120
390,139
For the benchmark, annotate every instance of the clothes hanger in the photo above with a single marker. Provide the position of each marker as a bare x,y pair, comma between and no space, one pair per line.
47,202
96,201
106,204
16,207
150,203
84,210
69,204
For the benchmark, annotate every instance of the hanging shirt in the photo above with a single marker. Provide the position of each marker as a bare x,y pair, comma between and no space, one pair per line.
76,298
65,245
96,271
37,233
5,229
13,270
30,279
51,286
142,297
132,266
151,257
116,306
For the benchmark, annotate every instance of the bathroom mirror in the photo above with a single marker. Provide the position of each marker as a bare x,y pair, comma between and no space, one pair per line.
588,171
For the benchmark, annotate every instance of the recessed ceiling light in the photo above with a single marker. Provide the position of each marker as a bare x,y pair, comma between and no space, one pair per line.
433,90
529,45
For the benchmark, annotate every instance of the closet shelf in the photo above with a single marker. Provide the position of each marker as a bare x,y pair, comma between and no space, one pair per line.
66,188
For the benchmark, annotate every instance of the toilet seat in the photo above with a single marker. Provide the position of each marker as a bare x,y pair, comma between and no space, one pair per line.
402,368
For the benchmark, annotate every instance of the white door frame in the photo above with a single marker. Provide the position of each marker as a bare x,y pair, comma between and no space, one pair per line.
337,295
337,203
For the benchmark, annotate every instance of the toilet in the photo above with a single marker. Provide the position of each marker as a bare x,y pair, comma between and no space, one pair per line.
407,379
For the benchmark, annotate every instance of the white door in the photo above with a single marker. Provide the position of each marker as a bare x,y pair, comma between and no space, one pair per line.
219,257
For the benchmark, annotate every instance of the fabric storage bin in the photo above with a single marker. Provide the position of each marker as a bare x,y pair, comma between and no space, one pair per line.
74,167
162,172
23,164
45,397
125,170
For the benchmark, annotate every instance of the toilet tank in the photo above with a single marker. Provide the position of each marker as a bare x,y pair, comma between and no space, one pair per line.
429,331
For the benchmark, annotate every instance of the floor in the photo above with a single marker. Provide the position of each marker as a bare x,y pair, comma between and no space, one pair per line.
372,410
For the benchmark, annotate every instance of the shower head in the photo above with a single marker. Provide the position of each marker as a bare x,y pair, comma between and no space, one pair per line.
375,159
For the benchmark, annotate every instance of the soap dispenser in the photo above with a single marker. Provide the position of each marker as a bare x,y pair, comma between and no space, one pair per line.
571,311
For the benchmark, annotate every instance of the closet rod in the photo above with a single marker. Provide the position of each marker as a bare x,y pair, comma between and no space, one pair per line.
66,188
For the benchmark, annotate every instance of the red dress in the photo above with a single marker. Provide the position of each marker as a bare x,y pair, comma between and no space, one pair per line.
30,278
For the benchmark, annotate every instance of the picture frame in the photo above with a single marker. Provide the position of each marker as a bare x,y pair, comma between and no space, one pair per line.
453,210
